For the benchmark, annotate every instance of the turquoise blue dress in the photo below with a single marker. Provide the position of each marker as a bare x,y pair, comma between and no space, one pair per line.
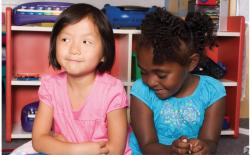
175,117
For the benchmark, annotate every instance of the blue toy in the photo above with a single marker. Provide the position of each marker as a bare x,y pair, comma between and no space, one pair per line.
226,123
126,16
38,12
28,115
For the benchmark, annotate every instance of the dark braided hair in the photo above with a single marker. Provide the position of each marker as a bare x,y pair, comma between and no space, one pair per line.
175,39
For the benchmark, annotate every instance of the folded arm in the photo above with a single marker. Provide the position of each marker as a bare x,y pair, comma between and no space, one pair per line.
211,128
117,131
143,125
43,141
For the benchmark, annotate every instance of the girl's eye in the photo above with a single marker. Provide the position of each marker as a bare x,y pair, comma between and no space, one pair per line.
65,40
87,42
162,76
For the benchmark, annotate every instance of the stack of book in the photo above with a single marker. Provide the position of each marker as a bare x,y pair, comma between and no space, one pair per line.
217,10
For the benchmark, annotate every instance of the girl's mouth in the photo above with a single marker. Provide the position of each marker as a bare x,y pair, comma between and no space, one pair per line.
74,60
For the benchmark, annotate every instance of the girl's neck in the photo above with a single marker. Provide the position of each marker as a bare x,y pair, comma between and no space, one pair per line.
79,88
189,86
77,82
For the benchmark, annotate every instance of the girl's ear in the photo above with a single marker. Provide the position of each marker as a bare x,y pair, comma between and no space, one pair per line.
193,61
102,60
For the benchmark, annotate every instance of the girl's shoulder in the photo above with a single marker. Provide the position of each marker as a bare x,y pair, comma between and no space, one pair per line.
53,78
109,85
139,84
207,92
210,81
108,79
210,88
141,91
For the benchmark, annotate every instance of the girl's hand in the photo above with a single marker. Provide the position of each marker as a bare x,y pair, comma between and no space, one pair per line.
198,147
93,148
181,145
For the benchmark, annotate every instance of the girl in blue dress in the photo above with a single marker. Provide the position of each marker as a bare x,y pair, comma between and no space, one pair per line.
172,110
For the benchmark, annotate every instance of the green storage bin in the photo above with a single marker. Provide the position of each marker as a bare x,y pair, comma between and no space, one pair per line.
136,72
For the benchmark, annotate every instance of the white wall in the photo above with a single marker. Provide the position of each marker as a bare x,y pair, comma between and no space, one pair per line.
242,9
98,3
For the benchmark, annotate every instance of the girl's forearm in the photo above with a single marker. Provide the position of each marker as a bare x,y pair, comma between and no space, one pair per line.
115,149
156,148
50,145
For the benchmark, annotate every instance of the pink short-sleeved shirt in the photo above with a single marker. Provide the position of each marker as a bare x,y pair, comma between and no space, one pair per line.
90,122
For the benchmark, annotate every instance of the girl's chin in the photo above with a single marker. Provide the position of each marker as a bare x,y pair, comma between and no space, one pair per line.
163,96
75,74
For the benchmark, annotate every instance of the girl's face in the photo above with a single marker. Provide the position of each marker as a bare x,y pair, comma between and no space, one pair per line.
166,79
79,47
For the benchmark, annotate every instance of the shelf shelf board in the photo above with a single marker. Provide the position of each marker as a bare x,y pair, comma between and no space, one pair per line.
227,132
116,31
19,133
225,82
25,83
228,34
49,29
126,31
31,28
228,83
15,82
128,84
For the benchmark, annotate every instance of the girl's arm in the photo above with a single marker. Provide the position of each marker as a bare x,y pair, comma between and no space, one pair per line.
211,129
41,133
44,142
143,126
117,127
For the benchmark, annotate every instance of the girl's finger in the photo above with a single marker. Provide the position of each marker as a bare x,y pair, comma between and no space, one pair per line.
196,148
104,150
180,150
102,144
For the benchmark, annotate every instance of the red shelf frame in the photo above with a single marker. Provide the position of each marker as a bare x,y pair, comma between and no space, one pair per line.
230,52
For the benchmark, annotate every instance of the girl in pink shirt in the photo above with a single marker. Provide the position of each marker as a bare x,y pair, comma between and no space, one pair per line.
85,106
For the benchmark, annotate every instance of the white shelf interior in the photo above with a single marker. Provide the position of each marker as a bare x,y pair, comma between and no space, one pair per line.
227,132
228,34
31,28
228,83
15,82
19,133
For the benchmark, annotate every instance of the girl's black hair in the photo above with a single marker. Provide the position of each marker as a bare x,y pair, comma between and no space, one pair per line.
175,39
74,14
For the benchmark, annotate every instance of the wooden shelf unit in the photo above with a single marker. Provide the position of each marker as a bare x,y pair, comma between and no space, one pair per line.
27,51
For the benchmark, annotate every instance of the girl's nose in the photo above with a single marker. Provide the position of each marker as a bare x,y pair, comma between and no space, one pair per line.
75,48
152,81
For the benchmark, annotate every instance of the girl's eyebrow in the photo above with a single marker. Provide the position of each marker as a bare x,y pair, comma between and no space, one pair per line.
154,70
84,34
64,34
158,71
